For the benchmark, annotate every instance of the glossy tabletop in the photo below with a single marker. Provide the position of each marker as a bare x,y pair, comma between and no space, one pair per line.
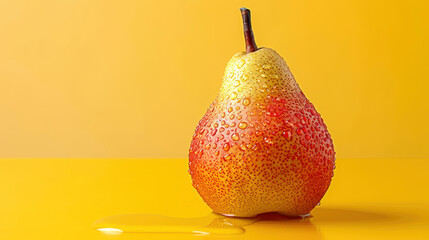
63,198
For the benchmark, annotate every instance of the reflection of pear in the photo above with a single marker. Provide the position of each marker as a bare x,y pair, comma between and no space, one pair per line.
261,146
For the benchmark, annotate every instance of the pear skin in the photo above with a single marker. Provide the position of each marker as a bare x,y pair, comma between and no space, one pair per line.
261,146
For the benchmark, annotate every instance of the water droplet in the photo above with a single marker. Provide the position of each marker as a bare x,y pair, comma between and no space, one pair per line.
227,157
230,74
268,140
239,117
230,109
216,125
237,108
208,146
245,78
233,124
318,204
263,75
228,132
243,147
255,147
232,116
240,89
275,76
214,131
236,83
217,153
221,137
223,122
221,129
214,145
246,102
242,125
201,131
227,126
233,95
258,133
241,63
235,137
266,66
226,147
261,90
287,134
223,114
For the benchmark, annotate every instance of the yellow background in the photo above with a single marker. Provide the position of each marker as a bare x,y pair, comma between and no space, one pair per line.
132,78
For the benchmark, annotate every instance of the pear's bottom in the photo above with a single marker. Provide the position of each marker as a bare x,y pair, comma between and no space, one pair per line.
253,216
288,210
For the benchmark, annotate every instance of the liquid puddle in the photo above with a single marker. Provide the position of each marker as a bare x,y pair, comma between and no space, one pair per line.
145,223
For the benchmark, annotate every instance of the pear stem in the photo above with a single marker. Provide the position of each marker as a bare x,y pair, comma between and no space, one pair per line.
248,33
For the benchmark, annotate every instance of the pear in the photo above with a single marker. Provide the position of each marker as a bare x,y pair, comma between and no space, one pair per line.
261,146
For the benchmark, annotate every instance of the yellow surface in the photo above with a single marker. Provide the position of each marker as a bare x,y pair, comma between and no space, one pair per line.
132,78
62,198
